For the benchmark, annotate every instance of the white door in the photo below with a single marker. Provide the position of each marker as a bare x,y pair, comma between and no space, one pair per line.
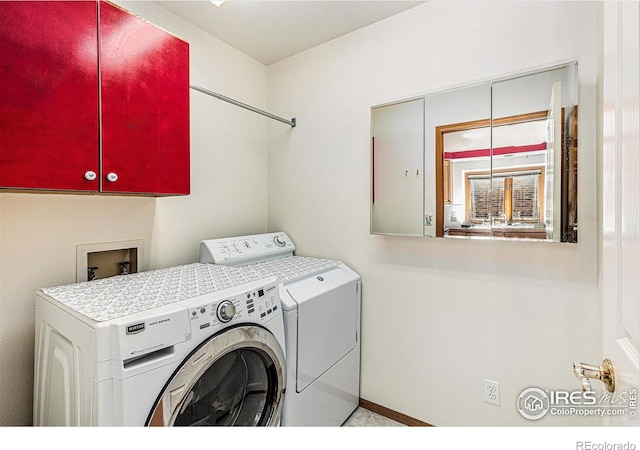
620,283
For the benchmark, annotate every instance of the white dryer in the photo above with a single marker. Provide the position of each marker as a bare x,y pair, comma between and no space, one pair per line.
189,345
321,301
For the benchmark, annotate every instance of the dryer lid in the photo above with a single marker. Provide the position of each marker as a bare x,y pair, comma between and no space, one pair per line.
327,321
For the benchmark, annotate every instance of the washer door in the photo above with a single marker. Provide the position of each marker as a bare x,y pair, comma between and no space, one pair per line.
236,378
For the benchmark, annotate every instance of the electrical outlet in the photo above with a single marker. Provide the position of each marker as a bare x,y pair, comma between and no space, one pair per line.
491,392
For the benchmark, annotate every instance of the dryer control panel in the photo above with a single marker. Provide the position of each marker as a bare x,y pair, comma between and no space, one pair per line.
244,250
256,303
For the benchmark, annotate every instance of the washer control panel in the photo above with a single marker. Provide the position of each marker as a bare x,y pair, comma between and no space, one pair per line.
257,303
243,250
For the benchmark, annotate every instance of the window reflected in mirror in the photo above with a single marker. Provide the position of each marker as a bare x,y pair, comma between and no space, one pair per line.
500,172
513,175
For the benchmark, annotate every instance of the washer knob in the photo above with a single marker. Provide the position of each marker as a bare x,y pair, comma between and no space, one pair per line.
226,311
279,241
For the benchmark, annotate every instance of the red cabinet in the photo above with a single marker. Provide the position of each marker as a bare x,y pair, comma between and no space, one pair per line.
48,95
58,126
145,105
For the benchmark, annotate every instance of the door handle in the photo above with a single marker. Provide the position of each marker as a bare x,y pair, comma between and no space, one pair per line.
585,372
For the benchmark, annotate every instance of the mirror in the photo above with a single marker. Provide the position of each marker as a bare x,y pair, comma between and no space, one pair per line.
397,163
453,113
500,161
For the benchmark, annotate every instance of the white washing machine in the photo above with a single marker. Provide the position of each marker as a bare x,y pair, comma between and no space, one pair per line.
189,345
321,301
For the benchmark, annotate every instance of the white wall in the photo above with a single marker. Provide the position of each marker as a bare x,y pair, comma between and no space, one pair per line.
440,315
39,232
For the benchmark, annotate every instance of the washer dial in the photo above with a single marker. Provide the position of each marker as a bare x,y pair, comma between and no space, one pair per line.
279,240
226,311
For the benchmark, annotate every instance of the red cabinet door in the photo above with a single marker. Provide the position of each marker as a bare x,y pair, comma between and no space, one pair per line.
48,95
145,106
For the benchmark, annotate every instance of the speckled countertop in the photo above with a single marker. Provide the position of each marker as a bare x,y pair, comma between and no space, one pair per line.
110,298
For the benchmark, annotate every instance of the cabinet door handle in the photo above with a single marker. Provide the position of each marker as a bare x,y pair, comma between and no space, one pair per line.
112,176
90,175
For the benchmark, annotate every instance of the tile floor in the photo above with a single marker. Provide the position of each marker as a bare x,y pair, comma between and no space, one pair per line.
364,418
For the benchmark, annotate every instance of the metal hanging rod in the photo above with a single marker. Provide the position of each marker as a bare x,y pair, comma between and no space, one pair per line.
291,122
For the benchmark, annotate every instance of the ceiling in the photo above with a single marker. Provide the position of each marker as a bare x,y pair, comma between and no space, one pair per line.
516,135
272,30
